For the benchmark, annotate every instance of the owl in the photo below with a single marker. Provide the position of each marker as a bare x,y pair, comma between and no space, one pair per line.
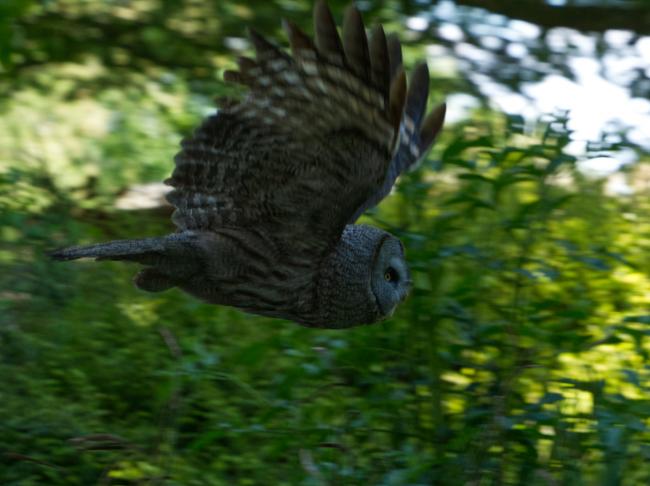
267,190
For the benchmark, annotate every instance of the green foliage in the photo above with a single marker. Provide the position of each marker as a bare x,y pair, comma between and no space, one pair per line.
521,356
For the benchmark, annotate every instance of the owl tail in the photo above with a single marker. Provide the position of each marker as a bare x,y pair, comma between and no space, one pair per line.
159,254
146,251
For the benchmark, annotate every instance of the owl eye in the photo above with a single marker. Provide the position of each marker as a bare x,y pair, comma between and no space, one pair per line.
390,275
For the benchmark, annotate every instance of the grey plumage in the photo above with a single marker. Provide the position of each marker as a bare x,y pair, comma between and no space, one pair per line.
268,189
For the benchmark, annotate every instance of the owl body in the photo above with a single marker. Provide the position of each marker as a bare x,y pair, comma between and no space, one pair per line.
238,268
267,190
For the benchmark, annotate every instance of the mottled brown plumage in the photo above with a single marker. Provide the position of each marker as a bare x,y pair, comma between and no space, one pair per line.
267,190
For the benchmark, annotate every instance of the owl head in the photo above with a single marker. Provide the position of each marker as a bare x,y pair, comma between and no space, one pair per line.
364,278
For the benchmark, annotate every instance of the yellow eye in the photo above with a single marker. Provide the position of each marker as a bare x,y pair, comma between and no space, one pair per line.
390,275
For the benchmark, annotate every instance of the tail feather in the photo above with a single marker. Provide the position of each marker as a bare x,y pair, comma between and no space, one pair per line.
145,250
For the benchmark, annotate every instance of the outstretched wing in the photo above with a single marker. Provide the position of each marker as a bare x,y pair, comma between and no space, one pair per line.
313,142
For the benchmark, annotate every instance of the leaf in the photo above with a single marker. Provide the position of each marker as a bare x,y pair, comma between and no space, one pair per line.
471,200
460,144
9,10
593,262
558,161
641,319
476,177
516,123
551,204
632,376
551,397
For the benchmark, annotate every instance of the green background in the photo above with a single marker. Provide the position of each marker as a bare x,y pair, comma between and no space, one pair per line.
521,356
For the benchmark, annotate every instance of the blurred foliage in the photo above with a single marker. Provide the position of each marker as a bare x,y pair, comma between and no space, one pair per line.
521,356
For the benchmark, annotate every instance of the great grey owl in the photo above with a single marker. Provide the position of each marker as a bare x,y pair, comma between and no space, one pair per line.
267,190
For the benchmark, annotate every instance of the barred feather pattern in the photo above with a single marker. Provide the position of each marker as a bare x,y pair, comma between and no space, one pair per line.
266,190
240,269
308,146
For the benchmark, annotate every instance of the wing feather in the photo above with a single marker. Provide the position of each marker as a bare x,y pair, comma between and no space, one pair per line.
355,44
318,138
394,54
328,41
298,40
415,134
379,59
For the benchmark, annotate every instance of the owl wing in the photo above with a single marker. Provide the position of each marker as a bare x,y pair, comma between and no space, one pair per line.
318,139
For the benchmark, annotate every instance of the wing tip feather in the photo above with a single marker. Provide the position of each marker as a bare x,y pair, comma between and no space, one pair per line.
432,125
355,42
298,40
397,97
379,60
328,41
418,92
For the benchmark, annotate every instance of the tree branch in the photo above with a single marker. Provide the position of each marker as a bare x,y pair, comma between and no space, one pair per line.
634,16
